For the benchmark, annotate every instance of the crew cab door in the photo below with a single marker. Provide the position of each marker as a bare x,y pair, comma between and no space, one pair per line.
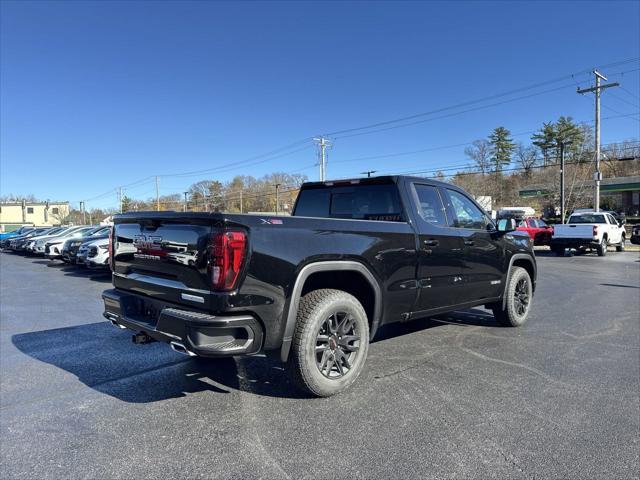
614,229
482,251
439,272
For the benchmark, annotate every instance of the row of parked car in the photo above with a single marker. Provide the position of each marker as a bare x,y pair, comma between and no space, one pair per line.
82,245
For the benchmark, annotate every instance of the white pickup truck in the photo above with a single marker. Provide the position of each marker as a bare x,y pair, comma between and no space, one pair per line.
592,230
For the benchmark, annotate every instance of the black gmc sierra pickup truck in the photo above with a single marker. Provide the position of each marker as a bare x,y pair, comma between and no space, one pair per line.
315,287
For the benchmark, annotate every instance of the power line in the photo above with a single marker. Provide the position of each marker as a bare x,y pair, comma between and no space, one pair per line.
444,147
246,161
629,92
483,99
624,100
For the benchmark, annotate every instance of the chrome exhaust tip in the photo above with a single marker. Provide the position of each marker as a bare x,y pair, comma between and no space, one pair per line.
180,348
113,320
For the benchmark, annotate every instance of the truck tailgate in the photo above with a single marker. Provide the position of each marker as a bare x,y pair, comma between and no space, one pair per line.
573,231
165,256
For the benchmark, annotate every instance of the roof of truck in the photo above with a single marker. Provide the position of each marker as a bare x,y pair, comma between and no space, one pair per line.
377,180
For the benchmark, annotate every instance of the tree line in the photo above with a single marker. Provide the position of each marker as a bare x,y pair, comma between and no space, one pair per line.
502,167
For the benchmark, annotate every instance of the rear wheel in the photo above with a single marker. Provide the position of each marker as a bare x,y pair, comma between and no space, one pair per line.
620,246
330,342
602,248
517,301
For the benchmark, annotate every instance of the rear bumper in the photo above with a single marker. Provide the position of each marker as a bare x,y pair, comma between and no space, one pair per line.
573,242
191,332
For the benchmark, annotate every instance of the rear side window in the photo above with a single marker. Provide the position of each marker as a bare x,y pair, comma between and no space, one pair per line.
430,205
358,202
313,202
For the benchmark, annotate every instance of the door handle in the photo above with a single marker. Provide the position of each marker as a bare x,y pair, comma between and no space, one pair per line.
431,242
469,243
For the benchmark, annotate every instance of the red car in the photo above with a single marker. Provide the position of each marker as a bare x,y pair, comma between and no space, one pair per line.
539,231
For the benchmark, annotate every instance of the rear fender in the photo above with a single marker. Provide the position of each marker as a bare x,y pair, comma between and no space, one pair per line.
308,270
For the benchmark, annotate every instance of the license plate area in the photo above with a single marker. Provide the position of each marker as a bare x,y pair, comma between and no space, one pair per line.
141,310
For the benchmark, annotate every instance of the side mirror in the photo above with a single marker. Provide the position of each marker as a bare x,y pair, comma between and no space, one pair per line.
622,222
506,225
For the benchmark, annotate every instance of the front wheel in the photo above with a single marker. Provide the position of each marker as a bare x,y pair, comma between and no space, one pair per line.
330,342
517,301
620,247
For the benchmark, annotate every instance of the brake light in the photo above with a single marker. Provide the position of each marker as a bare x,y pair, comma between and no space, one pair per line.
227,252
595,230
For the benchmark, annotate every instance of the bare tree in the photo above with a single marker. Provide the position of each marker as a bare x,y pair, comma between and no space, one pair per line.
480,153
526,157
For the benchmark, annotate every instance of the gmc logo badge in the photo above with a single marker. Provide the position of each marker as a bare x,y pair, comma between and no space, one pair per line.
147,242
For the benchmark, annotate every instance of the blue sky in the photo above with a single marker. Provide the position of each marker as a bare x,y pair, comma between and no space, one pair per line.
95,95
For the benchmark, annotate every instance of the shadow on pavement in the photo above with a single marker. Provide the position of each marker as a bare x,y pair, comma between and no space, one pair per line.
102,275
104,358
618,285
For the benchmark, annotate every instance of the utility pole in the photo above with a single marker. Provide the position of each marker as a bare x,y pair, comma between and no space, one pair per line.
84,215
597,89
120,198
323,143
157,194
184,208
368,173
277,197
562,182
240,200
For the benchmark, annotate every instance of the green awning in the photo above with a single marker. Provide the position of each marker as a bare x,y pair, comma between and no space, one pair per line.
620,187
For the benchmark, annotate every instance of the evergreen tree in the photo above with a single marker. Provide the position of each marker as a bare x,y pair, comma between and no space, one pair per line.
545,140
127,204
502,147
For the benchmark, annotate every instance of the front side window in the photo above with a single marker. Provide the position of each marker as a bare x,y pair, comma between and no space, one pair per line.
430,206
542,223
467,214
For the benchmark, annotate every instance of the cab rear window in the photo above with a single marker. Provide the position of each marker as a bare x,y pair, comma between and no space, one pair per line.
587,218
358,202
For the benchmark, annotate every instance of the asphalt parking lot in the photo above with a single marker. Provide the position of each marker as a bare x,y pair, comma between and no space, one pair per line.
455,396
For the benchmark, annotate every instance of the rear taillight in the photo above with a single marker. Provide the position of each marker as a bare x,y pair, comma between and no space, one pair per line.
595,230
227,251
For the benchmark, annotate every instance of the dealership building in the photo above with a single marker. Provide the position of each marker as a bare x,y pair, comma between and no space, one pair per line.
45,214
624,193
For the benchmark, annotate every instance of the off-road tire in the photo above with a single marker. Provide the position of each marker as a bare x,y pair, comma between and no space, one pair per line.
601,249
620,246
509,315
314,309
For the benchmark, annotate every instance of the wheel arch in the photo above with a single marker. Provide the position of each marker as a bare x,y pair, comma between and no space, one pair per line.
520,260
356,279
